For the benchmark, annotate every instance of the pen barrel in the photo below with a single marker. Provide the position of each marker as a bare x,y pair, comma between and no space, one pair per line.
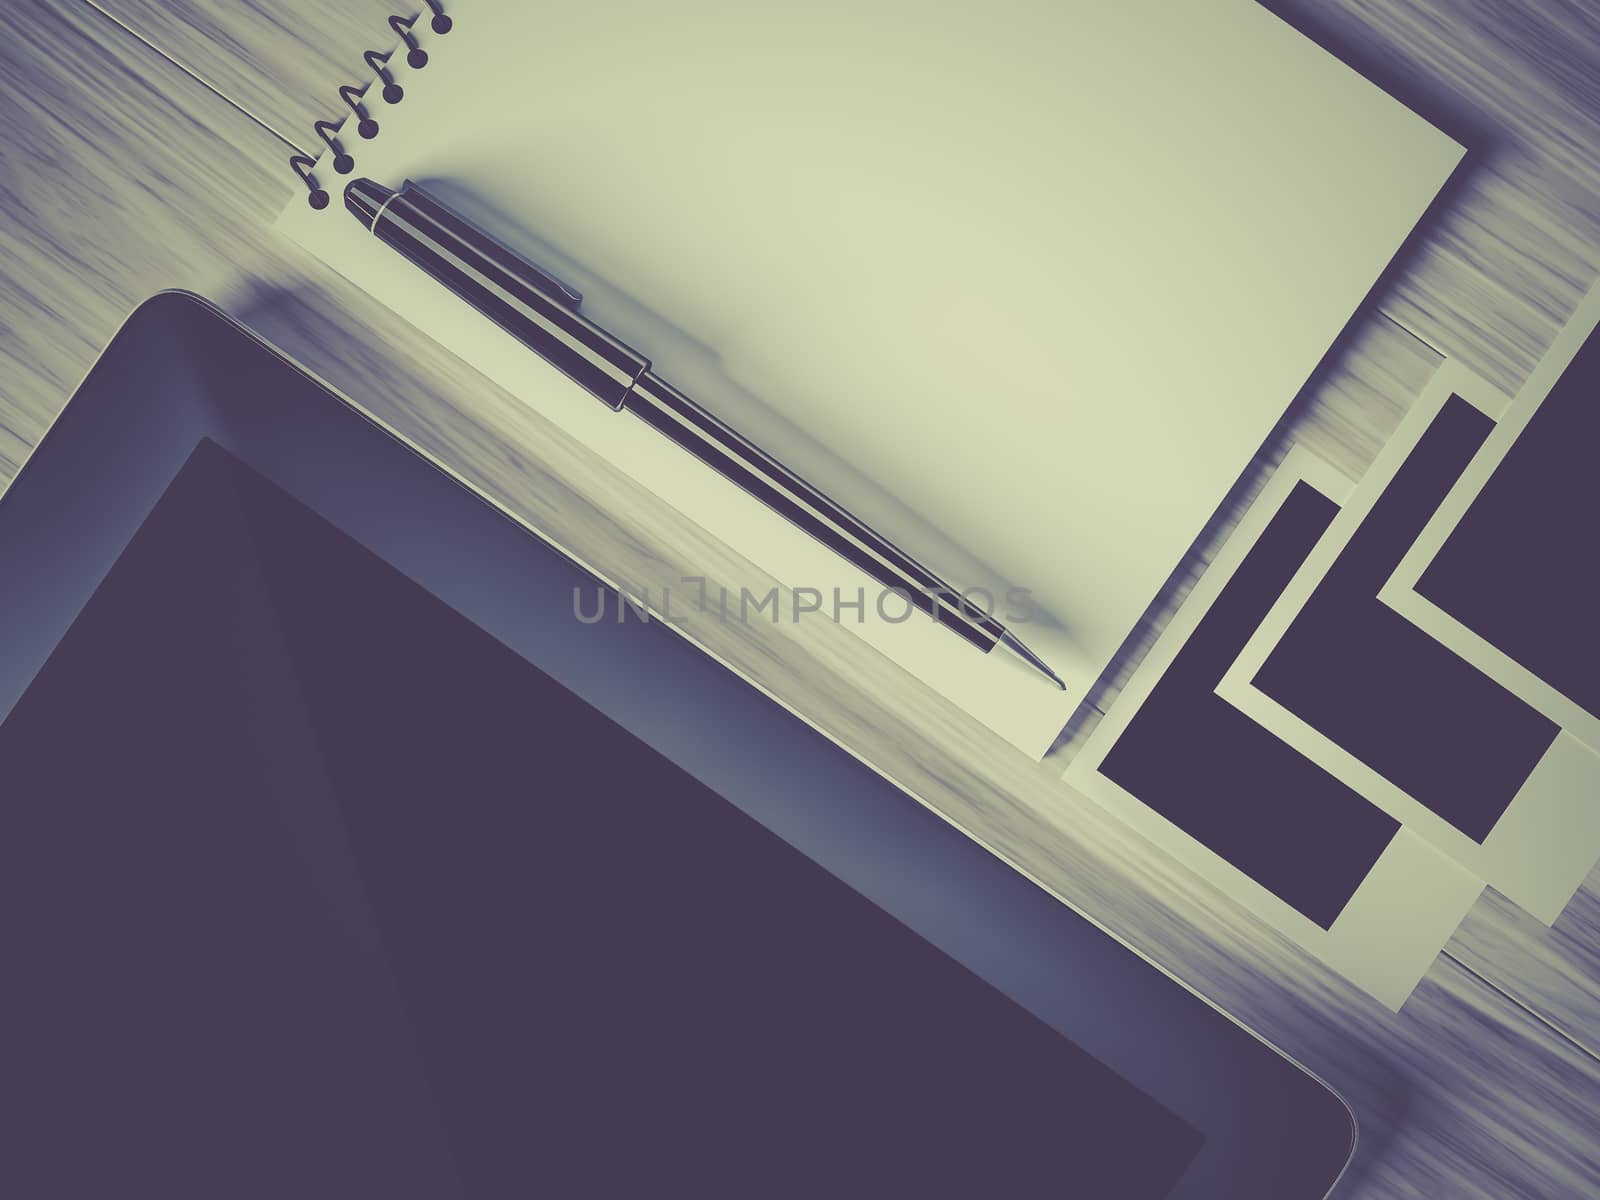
735,457
504,287
541,312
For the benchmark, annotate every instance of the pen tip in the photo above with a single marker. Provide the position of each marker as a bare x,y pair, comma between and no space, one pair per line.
1011,640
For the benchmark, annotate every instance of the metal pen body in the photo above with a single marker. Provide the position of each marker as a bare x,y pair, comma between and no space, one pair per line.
541,312
531,305
732,455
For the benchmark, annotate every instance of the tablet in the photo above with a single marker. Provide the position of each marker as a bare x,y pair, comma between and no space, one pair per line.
356,840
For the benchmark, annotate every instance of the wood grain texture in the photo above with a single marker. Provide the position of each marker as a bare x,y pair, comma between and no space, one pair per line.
282,62
122,176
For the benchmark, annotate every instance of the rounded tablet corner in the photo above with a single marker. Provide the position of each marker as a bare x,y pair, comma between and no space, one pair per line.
1352,1127
1296,1141
173,299
1299,1133
169,306
1332,1132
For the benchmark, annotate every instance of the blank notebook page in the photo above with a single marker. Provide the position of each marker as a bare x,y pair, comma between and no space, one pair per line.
1025,285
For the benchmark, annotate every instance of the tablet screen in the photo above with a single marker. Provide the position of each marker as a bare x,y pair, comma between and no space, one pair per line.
313,887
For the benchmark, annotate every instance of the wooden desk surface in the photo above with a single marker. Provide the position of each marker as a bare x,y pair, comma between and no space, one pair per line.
121,175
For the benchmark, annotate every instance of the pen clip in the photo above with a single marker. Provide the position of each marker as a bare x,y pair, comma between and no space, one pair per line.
548,284
563,294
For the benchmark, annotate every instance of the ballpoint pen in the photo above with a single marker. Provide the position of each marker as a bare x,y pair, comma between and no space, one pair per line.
543,314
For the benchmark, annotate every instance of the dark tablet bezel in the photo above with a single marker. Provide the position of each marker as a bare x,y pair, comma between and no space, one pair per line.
179,370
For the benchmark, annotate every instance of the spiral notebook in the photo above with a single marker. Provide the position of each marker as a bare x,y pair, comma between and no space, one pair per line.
1025,286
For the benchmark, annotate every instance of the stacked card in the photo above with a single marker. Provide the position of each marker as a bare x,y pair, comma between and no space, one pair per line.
1381,698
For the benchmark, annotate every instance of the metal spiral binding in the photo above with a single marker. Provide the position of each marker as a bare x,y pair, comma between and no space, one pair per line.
416,56
366,124
440,23
303,165
329,133
393,93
